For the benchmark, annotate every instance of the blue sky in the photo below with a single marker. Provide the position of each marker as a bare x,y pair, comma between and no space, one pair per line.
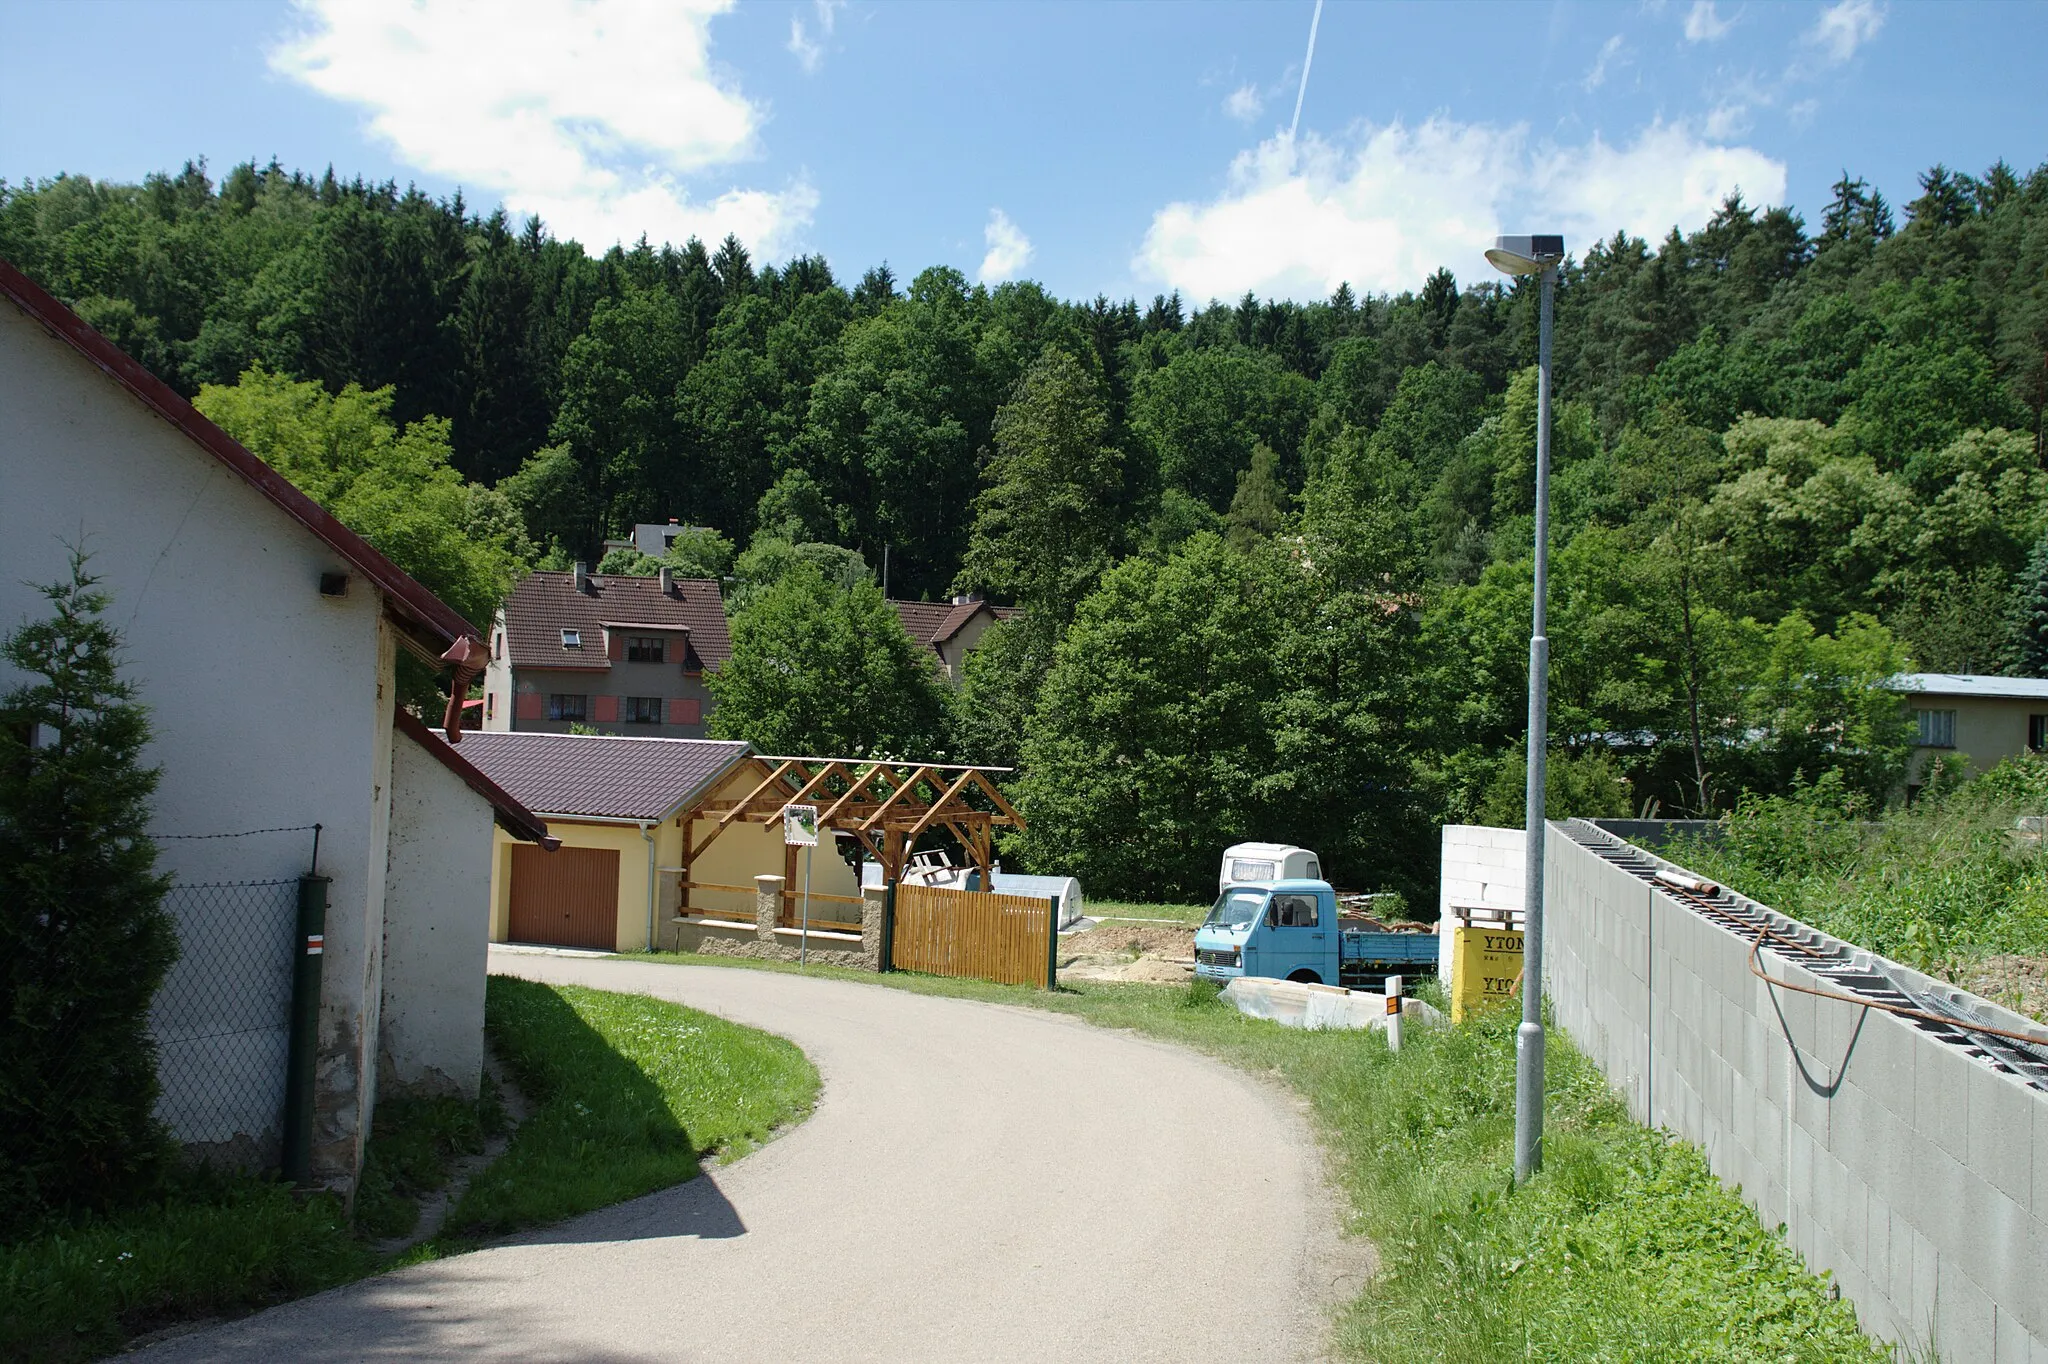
1123,148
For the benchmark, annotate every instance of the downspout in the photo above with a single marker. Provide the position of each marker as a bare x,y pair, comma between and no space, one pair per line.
469,655
644,834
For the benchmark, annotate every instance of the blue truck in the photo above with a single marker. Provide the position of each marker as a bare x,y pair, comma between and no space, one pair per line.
1290,930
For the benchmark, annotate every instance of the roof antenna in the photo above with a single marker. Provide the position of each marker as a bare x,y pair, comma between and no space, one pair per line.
1302,93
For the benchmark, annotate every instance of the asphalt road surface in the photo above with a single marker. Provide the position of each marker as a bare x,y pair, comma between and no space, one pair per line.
978,1182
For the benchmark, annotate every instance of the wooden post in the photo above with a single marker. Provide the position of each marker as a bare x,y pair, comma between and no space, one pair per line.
788,881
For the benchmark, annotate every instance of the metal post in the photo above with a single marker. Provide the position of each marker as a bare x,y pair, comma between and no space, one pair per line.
309,946
1052,945
1529,1037
1393,1013
803,942
888,953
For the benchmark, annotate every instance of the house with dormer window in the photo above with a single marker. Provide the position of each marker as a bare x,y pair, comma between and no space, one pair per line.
618,654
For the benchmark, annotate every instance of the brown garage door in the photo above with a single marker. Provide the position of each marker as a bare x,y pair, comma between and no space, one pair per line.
568,897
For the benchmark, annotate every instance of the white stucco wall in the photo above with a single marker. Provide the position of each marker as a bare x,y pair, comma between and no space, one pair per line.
270,703
436,928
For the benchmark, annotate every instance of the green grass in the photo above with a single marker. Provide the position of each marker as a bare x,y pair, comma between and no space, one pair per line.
213,1245
1625,1247
631,1094
1114,911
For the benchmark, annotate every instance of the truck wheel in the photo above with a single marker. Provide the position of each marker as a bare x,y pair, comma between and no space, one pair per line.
1306,977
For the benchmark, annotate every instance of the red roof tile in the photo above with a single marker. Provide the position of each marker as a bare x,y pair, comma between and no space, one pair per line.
598,776
932,623
405,599
544,604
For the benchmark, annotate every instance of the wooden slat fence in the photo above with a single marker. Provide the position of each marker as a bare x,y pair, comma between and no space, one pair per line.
1004,938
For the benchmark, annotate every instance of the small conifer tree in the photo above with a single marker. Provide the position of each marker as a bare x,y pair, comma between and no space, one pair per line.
84,937
2027,617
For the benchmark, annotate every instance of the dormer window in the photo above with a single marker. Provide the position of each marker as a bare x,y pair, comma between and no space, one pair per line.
645,649
572,638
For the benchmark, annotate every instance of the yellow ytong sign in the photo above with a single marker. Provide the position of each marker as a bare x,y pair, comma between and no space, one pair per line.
1486,964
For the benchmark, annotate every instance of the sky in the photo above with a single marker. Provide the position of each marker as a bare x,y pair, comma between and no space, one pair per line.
1124,149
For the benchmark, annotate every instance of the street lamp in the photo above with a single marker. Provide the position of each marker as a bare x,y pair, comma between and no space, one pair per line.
1539,256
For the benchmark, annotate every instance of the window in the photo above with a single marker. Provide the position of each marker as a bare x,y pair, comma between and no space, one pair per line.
1937,728
1292,911
490,705
643,710
2037,733
644,649
1245,869
498,645
568,706
572,638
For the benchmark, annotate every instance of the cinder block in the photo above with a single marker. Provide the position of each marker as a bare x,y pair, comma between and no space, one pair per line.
1881,1062
1912,1278
1964,1320
1941,1076
2005,1256
2040,1202
2014,1344
2001,1132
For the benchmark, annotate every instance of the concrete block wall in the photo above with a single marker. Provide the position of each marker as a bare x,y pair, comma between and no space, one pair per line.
1482,868
1912,1169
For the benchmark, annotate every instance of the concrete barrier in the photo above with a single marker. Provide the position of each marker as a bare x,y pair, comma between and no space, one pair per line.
1913,1169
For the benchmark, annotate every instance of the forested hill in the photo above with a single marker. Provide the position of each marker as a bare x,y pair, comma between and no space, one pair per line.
1786,452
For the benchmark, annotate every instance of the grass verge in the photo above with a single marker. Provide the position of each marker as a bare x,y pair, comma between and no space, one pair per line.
1625,1247
631,1094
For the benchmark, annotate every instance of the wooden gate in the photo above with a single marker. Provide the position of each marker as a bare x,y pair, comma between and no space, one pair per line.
1006,938
566,898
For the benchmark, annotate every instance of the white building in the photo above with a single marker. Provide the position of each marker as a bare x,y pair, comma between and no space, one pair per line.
262,634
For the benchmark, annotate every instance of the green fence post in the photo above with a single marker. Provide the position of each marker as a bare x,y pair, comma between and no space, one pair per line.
888,961
308,947
1052,944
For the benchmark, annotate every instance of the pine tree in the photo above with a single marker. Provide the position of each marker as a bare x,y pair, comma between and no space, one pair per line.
2027,619
84,937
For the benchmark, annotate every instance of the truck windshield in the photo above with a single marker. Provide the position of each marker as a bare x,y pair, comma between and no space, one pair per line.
1235,909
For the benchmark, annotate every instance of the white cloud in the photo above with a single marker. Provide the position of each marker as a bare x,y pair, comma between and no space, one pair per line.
589,114
1608,52
1845,26
1726,121
1703,25
1244,103
1390,205
1009,250
809,51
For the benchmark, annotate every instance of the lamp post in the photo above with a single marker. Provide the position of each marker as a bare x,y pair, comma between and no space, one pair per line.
1539,256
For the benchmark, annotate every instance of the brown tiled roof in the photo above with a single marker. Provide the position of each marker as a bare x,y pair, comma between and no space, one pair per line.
411,604
515,818
932,623
566,775
544,604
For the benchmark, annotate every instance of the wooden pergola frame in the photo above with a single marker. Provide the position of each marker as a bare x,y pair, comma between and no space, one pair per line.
885,804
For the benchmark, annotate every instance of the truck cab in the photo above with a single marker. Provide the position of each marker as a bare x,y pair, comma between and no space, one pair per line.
1284,931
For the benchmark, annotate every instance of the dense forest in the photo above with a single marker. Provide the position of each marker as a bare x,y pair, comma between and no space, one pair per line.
1274,557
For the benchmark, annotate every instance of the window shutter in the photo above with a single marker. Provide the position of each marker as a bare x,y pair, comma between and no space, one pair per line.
685,710
529,705
604,709
614,645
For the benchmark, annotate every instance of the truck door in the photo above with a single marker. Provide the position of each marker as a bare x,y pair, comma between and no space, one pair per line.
1296,938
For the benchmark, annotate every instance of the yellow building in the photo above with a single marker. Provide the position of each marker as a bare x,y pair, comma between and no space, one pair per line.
1972,718
620,806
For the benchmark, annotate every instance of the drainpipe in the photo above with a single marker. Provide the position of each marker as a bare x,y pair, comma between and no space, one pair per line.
651,942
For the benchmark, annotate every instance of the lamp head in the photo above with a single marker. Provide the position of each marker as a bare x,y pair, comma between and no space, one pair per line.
1527,255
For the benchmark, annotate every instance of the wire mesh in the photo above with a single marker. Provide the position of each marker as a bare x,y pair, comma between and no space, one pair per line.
222,1016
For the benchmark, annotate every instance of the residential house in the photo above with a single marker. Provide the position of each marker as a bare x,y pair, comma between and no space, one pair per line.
619,654
654,538
1978,719
950,629
623,808
263,635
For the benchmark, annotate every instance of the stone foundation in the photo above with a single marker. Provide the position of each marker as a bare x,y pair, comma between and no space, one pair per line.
831,941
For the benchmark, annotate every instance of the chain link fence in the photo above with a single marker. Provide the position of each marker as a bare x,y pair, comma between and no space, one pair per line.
221,1018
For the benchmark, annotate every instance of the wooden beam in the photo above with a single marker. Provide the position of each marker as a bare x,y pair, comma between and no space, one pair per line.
826,817
898,794
813,784
929,815
772,778
989,789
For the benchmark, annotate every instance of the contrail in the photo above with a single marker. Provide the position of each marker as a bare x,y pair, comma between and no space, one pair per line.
1302,93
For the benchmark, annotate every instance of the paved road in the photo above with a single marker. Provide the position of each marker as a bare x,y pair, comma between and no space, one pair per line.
978,1183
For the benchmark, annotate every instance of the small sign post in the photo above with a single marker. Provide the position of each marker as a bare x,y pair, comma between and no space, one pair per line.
1393,1013
800,830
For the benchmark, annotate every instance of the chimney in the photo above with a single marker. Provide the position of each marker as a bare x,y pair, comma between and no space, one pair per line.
963,598
668,582
582,576
675,521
